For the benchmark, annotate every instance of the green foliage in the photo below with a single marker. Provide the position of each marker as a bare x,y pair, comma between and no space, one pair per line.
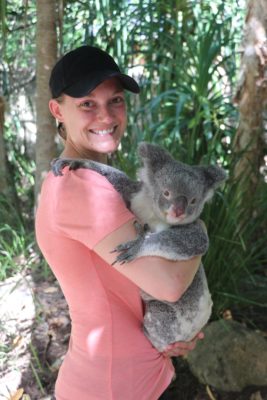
18,250
186,94
17,240
21,168
17,48
12,246
237,253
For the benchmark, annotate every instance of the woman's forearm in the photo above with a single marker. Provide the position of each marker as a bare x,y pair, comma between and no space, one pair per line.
161,278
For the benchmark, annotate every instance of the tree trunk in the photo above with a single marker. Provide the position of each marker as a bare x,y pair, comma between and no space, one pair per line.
252,93
4,189
46,43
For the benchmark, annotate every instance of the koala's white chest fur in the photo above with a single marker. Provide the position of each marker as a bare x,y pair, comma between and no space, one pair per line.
143,209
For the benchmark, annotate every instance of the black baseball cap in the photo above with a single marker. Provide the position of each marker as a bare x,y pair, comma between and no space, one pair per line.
79,72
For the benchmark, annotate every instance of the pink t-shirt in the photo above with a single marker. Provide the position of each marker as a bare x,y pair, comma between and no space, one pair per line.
109,358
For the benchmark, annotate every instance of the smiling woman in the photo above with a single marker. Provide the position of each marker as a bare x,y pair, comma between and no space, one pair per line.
79,220
95,123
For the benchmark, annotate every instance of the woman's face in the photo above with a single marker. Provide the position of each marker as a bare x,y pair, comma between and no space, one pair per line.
95,123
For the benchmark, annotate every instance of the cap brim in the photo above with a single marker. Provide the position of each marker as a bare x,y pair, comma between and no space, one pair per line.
89,82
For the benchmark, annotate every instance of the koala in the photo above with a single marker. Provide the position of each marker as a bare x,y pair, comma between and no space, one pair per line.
167,200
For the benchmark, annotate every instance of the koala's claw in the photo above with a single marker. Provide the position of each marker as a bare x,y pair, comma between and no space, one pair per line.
123,247
129,250
126,252
58,164
126,256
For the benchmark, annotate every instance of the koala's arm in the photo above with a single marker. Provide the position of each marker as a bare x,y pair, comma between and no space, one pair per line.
164,280
180,242
121,182
58,164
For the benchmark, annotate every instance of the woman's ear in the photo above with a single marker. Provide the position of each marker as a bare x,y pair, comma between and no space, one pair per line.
55,109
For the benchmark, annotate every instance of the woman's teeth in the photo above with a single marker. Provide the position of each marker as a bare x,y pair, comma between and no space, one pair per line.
104,131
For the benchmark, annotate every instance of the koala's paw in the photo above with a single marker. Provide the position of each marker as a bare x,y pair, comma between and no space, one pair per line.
129,250
58,164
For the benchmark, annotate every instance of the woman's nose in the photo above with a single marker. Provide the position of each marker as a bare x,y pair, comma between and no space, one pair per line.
105,114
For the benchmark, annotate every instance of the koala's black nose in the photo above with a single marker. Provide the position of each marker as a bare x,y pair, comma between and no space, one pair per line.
180,205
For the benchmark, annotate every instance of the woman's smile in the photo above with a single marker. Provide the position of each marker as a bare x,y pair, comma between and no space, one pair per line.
103,132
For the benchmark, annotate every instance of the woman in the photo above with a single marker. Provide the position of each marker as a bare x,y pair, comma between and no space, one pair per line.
80,219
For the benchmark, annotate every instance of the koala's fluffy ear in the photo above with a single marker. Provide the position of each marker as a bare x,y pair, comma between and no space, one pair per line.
153,155
213,175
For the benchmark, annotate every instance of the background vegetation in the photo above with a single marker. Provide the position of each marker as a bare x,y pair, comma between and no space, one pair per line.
186,56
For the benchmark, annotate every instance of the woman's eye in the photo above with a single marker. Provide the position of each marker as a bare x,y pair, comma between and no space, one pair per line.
86,104
118,100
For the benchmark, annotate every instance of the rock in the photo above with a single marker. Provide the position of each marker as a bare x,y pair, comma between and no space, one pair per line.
230,358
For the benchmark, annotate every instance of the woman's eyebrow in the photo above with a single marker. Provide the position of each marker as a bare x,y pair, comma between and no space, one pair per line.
95,95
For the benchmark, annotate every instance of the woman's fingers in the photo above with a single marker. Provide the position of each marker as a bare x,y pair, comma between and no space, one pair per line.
182,348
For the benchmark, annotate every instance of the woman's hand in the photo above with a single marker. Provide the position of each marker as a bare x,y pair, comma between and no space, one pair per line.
182,348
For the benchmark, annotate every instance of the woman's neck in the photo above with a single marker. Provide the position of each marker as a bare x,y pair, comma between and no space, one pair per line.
70,152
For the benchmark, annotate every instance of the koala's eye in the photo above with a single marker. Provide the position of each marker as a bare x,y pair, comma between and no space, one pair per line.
166,194
193,201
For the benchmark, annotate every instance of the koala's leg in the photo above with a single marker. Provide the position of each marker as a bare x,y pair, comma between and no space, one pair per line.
179,242
166,323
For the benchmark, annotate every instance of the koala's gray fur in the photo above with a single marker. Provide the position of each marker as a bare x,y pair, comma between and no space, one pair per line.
169,198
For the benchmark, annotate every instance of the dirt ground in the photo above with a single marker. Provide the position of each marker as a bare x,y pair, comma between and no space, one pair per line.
34,334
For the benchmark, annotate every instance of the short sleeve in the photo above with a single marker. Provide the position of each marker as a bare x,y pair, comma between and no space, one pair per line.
87,207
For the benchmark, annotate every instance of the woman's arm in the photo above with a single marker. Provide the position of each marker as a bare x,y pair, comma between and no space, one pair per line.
89,210
161,278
